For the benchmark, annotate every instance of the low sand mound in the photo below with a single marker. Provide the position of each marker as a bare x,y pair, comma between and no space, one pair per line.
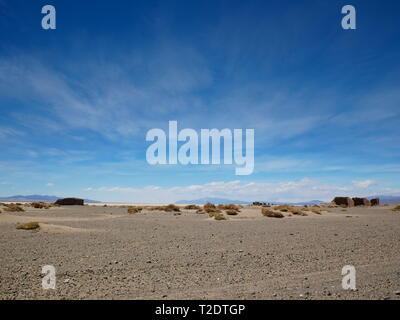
53,228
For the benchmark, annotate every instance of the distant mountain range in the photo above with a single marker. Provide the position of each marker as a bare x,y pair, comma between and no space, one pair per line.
212,200
384,199
35,197
221,200
301,203
30,198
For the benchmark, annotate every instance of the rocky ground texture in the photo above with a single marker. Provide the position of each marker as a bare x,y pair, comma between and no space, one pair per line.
106,253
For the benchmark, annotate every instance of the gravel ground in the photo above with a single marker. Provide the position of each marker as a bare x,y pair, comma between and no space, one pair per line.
106,253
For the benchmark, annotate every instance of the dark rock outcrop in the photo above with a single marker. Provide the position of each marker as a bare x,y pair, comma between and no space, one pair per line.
375,202
257,203
69,202
343,201
361,202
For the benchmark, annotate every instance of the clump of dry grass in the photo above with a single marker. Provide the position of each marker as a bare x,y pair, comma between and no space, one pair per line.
270,213
313,210
291,209
211,208
297,211
134,209
209,205
168,208
40,205
229,207
218,216
172,207
200,211
283,208
156,208
28,226
192,207
396,208
231,212
12,207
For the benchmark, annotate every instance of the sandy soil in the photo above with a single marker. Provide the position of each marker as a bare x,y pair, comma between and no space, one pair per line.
106,253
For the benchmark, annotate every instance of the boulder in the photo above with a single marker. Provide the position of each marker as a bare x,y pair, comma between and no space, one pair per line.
375,202
69,202
346,201
361,202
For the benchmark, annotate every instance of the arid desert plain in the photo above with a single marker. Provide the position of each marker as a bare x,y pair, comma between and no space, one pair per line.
104,252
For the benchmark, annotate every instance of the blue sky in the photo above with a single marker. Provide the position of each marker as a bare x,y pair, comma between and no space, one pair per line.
76,102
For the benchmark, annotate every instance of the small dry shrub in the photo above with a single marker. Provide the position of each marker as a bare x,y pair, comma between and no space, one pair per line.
283,208
214,212
13,208
209,205
40,205
293,210
229,207
297,211
200,211
192,207
314,210
168,208
134,209
155,208
172,207
396,208
219,216
231,212
270,213
211,208
28,226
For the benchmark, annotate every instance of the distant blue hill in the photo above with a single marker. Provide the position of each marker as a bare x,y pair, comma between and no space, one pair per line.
35,197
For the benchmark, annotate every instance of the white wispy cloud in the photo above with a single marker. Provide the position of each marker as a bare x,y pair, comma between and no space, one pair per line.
363,183
297,190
